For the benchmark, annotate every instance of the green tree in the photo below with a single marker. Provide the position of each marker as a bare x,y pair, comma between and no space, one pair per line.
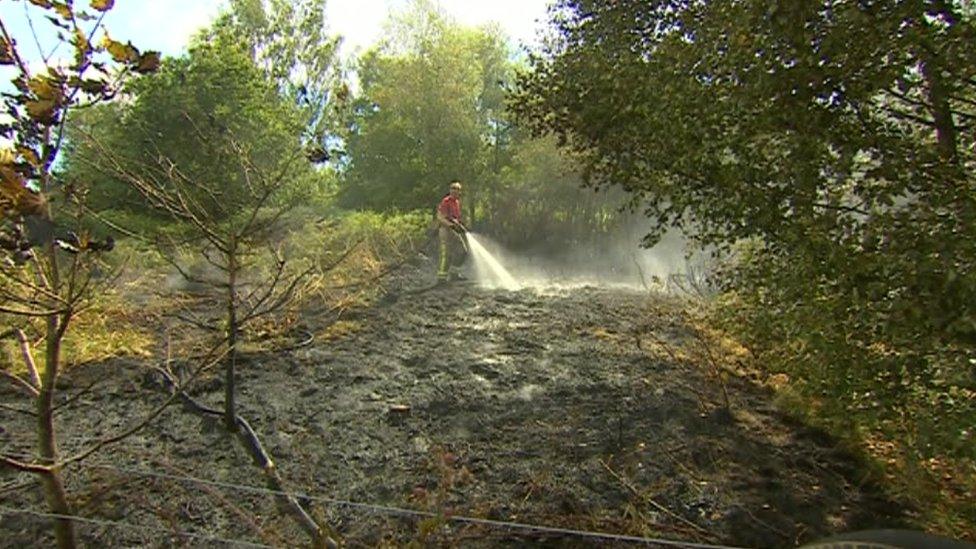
290,42
830,143
541,202
217,91
417,124
211,145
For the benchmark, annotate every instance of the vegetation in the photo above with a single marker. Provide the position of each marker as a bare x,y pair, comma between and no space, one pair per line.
47,277
827,150
432,109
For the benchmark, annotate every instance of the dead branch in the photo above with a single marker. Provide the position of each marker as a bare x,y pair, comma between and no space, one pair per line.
112,225
214,261
644,497
205,365
187,318
250,441
76,396
20,383
189,277
34,313
283,299
269,286
25,352
18,486
18,410
11,273
25,467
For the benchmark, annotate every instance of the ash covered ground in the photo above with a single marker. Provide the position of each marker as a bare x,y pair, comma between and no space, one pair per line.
538,406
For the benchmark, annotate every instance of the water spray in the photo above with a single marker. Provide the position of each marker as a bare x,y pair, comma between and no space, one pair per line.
488,270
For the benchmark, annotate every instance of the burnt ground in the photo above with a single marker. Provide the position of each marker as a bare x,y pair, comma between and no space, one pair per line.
534,407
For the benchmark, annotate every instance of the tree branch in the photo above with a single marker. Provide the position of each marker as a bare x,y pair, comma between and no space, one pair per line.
850,209
24,467
33,313
249,439
152,415
28,357
18,410
22,383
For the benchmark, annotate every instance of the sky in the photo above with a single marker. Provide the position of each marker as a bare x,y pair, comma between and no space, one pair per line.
167,25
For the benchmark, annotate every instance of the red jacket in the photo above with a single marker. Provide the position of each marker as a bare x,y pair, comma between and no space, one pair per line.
450,208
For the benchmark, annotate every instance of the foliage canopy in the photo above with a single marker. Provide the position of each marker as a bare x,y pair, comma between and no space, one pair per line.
830,146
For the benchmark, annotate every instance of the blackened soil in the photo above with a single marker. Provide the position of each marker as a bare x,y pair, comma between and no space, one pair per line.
534,407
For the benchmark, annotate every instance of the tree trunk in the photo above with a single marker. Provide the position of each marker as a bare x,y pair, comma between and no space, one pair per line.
945,127
54,493
230,406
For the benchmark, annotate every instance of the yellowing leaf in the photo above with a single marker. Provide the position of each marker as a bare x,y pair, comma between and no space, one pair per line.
121,53
91,86
42,110
80,41
11,186
102,5
41,3
30,156
148,62
63,10
6,52
45,88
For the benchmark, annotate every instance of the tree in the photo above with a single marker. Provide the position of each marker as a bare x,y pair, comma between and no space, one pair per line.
218,87
46,274
733,112
832,136
210,145
290,43
416,125
541,202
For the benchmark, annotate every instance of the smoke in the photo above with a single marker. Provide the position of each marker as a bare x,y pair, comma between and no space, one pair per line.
614,261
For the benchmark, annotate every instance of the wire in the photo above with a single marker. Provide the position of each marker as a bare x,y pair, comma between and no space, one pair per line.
390,510
425,514
114,524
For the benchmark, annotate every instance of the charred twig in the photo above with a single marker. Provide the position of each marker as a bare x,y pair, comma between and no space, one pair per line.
18,410
187,318
223,500
71,400
17,486
214,359
644,497
21,383
18,465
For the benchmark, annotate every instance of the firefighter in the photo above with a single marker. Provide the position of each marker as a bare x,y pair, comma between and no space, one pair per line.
448,221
